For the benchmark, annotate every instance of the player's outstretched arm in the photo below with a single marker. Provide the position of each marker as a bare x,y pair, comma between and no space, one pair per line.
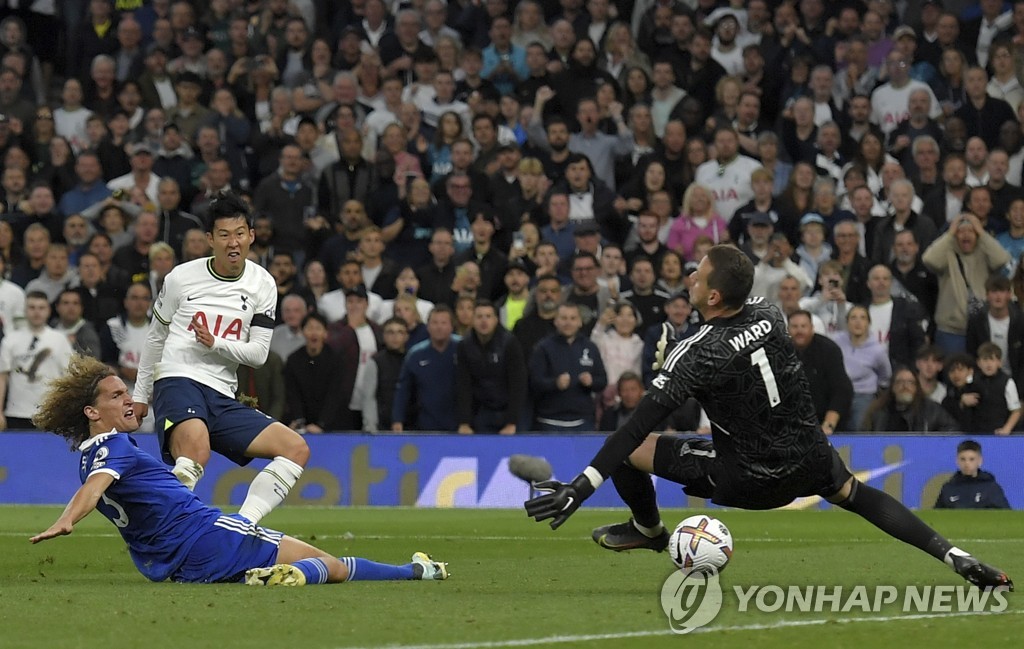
80,506
151,354
560,499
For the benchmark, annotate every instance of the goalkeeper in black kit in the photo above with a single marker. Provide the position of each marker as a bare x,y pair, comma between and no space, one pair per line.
767,447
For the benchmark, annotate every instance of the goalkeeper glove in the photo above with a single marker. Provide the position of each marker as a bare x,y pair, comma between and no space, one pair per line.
559,500
665,344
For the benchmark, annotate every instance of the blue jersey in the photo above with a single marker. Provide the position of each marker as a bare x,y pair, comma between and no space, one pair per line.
159,518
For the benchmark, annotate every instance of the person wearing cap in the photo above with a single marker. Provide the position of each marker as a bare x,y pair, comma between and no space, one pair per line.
356,339
963,257
141,175
760,228
677,310
813,249
905,40
512,306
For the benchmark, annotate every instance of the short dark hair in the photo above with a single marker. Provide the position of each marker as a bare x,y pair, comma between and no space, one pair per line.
627,376
394,320
314,315
37,295
930,351
227,205
968,445
584,255
997,283
732,274
960,360
989,350
486,304
442,308
802,312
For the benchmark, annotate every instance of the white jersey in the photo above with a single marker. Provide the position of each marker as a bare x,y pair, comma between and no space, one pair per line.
730,183
239,312
12,306
32,360
130,341
889,105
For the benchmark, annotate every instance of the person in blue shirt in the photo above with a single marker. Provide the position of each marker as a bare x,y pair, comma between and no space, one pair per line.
170,533
504,62
427,379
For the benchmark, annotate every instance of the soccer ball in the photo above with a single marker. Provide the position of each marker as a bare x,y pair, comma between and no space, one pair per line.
700,544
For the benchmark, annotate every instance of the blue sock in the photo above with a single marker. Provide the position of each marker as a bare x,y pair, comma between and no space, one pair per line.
366,570
315,570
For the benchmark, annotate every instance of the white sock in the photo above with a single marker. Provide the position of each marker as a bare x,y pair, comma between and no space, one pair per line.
188,471
650,532
270,488
954,551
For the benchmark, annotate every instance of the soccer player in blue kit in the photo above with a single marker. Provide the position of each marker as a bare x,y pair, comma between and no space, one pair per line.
170,533
767,447
212,315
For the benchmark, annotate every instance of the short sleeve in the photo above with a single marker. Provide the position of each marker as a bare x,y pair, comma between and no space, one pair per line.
115,456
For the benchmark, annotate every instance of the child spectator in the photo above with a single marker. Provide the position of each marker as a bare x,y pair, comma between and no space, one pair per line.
970,487
999,409
962,396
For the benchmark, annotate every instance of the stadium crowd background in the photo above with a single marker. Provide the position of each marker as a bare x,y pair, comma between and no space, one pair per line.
433,182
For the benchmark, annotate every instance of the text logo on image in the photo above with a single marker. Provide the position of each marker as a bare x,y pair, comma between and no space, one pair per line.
692,600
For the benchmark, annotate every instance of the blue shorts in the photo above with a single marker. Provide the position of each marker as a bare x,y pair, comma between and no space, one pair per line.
232,425
227,549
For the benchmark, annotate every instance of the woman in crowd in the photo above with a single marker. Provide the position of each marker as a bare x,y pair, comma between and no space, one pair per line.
698,217
866,362
620,346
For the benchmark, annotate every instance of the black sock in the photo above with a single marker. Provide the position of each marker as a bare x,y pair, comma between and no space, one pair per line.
637,490
893,518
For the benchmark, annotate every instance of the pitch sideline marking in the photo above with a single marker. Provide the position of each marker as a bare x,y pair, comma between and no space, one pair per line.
782,624
545,539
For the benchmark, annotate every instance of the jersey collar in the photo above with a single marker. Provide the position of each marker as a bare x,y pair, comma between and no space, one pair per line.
98,439
222,278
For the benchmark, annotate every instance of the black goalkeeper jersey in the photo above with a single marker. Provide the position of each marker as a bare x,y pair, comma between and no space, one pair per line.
746,375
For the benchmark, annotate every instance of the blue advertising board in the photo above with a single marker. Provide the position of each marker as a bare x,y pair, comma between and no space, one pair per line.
472,471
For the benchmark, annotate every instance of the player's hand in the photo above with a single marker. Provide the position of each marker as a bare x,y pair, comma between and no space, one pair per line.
140,410
559,500
662,348
60,528
969,400
203,335
586,379
563,380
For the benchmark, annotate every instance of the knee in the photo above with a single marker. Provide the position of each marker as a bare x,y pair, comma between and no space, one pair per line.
295,448
191,441
337,571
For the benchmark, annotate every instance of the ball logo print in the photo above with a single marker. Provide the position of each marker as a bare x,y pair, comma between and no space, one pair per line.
691,600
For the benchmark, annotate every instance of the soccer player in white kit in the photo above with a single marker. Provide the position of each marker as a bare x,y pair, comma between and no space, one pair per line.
213,314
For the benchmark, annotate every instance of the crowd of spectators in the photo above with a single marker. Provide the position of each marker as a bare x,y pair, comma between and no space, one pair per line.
479,212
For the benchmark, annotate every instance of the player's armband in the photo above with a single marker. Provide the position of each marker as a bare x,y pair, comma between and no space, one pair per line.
262,320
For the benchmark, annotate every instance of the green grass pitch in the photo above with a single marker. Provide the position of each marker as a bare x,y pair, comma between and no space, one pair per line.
514,583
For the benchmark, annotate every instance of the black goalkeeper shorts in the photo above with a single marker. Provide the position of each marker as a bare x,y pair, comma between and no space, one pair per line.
694,463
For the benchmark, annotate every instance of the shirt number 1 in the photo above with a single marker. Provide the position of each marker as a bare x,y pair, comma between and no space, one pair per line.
760,358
